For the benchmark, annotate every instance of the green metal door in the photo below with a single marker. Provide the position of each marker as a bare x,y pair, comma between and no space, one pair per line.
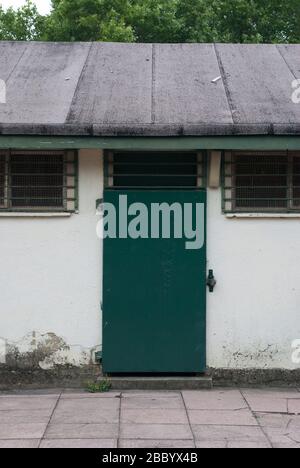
154,304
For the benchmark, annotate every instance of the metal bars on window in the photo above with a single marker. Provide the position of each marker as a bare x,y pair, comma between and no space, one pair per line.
38,181
261,182
157,170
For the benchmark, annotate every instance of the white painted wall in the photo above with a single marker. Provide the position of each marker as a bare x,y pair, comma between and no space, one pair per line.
51,283
51,274
254,313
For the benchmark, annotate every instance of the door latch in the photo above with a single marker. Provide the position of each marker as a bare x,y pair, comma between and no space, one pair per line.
211,281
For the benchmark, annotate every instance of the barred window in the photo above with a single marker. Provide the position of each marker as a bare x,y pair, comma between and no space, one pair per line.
2,178
261,182
160,170
38,181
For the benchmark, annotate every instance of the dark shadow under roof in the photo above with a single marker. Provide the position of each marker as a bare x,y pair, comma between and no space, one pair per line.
108,89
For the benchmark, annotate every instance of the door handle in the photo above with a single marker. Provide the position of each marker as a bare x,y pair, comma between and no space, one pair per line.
211,281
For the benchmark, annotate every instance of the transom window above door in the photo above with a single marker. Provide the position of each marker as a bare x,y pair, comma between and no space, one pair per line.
38,181
157,170
262,182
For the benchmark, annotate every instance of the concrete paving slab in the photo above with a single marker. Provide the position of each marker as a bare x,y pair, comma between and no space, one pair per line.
77,394
152,402
24,417
51,393
233,445
22,431
242,417
228,434
214,400
96,404
249,445
273,393
156,431
154,416
79,443
266,404
25,403
283,445
85,410
19,444
286,421
220,418
283,436
82,431
171,444
218,444
81,416
154,394
294,406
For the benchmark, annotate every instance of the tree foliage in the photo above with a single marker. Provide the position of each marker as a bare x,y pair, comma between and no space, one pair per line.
253,21
21,25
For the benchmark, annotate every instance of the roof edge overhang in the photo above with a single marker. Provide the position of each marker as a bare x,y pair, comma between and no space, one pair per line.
148,143
151,130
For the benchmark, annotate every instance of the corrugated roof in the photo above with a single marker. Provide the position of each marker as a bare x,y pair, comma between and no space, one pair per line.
114,89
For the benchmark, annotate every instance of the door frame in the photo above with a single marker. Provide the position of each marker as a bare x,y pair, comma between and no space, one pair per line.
107,174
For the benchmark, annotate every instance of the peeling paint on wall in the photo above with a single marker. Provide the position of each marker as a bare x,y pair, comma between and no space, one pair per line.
69,356
43,351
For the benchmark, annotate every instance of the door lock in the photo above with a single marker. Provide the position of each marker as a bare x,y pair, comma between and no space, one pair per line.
211,281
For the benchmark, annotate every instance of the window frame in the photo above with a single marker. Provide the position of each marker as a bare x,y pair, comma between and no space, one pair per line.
229,191
69,189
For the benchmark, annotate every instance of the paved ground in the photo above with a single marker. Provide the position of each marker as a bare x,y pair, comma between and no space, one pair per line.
218,418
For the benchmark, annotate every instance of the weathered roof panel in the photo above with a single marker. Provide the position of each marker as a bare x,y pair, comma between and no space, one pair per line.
10,54
114,89
258,83
291,56
42,84
186,85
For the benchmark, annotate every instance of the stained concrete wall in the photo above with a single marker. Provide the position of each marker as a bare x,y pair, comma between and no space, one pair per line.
51,276
50,279
253,315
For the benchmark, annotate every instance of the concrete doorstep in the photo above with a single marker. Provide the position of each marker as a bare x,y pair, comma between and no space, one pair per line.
217,418
159,383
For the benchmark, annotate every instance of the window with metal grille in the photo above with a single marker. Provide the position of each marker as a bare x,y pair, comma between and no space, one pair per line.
38,181
161,170
2,178
261,182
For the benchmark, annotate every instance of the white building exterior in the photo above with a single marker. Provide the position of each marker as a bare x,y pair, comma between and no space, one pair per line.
53,283
97,100
53,275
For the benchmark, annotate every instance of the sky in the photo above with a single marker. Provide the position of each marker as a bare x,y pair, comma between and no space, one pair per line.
42,5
